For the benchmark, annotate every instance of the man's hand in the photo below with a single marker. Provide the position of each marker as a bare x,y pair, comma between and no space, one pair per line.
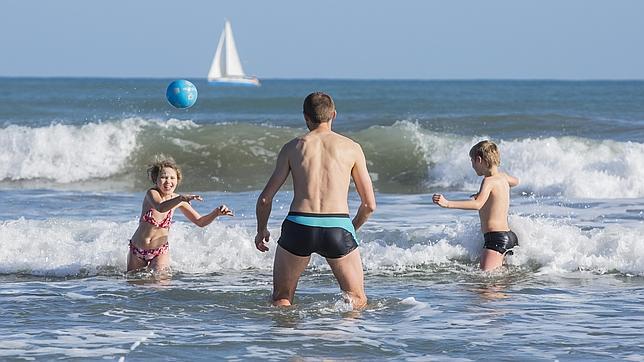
440,200
261,239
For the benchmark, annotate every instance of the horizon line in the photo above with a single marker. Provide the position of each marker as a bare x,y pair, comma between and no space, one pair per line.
330,78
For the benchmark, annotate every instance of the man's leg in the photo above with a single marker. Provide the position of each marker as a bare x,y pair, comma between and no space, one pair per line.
287,269
348,272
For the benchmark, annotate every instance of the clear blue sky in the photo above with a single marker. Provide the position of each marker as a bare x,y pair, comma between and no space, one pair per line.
418,39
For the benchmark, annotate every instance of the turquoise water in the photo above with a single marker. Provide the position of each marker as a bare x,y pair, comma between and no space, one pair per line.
72,177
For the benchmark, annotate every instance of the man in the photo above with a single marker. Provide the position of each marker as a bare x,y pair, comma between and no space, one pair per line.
322,163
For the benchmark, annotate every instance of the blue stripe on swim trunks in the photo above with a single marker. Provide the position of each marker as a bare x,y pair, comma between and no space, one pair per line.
323,220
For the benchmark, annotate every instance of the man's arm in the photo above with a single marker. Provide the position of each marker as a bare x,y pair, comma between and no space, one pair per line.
265,199
361,178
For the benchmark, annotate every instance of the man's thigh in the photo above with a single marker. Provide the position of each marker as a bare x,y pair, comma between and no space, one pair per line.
287,269
348,272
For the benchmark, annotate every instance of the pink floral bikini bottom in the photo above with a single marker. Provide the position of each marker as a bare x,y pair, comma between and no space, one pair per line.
148,254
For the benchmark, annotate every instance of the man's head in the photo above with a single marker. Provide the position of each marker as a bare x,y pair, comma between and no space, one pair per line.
487,152
318,108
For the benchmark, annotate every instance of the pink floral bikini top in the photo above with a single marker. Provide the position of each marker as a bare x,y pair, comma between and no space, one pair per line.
165,223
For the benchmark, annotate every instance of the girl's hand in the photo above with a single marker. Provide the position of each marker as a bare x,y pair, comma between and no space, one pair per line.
223,210
188,198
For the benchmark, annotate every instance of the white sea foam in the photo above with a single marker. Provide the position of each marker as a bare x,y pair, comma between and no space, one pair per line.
556,245
64,247
569,166
67,153
550,244
88,343
59,155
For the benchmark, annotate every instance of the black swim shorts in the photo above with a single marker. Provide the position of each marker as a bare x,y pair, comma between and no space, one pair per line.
501,241
330,235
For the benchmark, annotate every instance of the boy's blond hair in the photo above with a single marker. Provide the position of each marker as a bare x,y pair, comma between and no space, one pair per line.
159,163
488,151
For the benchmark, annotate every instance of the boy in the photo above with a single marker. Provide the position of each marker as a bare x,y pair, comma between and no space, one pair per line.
492,201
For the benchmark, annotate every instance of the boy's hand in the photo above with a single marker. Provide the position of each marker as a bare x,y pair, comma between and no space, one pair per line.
440,200
223,210
261,239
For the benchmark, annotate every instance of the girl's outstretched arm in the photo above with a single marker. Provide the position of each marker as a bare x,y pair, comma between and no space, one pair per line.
156,201
204,220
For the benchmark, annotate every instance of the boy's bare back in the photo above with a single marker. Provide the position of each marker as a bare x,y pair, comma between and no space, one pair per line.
494,212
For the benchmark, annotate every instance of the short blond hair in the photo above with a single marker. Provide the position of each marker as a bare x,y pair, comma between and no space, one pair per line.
488,151
159,163
319,107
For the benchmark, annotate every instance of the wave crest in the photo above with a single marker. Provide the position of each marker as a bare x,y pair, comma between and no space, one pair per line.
402,158
75,247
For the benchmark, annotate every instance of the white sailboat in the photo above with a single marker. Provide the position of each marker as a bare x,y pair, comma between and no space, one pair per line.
226,68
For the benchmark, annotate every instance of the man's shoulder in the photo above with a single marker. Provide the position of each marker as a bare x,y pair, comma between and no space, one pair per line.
292,143
345,141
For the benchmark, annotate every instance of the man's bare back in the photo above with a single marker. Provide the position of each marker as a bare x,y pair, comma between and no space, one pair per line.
321,164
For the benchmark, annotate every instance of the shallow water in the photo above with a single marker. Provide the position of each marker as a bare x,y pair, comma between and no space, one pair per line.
581,300
573,290
444,313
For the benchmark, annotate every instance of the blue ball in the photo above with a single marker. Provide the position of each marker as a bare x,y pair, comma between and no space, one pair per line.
181,94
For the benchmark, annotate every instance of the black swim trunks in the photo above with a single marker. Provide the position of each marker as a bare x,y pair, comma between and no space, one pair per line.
330,235
501,241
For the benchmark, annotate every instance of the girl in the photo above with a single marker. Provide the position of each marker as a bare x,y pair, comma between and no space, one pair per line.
149,244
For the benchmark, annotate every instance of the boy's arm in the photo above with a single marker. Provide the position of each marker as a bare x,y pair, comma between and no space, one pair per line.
364,187
512,181
475,204
265,199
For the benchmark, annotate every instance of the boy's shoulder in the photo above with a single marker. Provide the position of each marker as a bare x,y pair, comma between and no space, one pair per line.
498,178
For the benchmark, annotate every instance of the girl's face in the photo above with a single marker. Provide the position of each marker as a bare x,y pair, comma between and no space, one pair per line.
167,181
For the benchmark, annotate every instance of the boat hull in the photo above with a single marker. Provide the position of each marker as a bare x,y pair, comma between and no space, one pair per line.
235,82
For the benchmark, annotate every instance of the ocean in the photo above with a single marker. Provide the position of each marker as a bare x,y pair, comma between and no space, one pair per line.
73,175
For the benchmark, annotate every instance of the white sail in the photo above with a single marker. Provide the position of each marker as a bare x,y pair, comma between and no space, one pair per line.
216,70
233,64
226,68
